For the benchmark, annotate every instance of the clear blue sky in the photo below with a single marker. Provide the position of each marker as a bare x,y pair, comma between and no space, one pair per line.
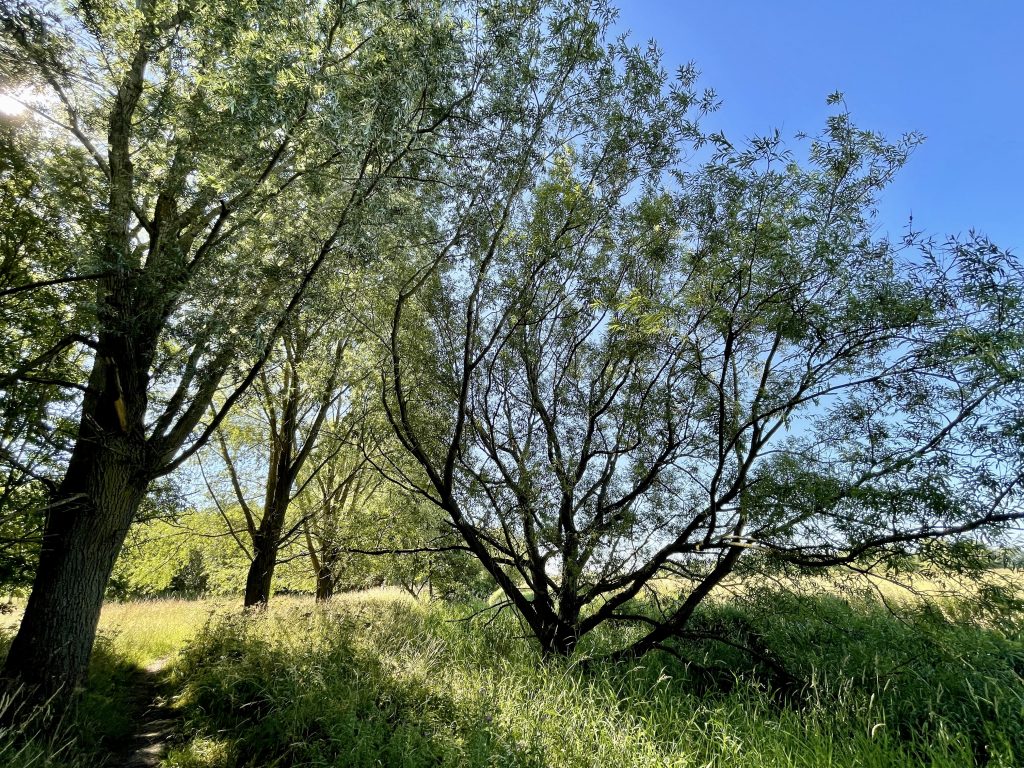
951,69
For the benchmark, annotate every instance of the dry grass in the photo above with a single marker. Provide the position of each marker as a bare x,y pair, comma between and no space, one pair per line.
903,589
143,631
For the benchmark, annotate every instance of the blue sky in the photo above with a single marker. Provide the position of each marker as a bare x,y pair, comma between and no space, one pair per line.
953,70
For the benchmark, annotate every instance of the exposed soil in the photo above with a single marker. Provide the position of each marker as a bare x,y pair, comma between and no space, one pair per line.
156,720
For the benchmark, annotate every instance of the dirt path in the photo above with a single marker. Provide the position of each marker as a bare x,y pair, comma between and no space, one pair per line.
156,720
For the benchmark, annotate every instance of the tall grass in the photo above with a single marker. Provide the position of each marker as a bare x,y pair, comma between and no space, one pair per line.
379,679
131,636
36,741
388,681
145,631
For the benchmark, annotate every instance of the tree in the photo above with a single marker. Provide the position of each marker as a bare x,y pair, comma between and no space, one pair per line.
288,408
37,239
207,137
336,495
646,371
361,527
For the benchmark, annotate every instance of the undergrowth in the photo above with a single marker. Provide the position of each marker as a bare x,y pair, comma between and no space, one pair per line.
383,680
103,716
398,683
84,735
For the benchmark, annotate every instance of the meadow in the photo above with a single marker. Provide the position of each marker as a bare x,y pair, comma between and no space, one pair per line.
380,679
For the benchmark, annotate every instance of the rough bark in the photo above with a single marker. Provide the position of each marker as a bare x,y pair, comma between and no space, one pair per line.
87,521
266,543
260,575
149,253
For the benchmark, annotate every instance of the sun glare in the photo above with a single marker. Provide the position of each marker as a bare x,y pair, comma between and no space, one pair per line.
10,105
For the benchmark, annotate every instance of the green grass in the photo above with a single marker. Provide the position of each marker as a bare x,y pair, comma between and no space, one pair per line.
34,742
378,679
387,681
145,631
131,636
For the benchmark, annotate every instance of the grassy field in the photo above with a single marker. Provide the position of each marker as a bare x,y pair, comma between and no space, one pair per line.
378,679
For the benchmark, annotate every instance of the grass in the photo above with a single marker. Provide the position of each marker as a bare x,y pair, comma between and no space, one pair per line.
36,743
131,636
896,589
388,681
379,679
145,631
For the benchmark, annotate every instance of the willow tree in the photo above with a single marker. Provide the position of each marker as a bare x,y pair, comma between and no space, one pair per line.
36,239
363,525
338,495
225,152
646,370
268,447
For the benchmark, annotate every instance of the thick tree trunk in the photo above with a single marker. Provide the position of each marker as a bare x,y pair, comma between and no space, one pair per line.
559,640
110,468
261,571
87,521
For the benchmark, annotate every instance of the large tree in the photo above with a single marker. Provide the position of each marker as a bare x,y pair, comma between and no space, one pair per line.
38,360
226,152
644,370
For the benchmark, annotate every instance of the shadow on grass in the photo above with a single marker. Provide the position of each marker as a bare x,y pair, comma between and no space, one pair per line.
98,728
372,683
927,671
251,698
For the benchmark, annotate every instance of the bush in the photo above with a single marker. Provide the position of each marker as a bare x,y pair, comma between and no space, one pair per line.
191,579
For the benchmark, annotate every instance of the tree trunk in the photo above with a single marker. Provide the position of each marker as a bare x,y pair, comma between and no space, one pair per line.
267,541
261,571
559,640
281,476
324,584
87,520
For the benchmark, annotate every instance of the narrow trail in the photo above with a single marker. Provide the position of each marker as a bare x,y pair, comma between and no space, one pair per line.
155,719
